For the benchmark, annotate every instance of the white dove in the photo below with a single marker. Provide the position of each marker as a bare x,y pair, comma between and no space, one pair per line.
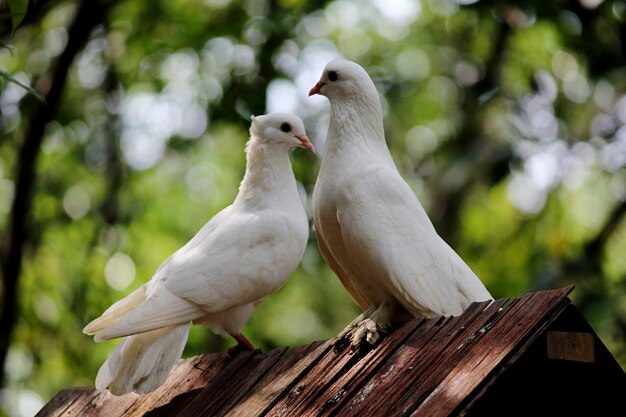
370,227
244,253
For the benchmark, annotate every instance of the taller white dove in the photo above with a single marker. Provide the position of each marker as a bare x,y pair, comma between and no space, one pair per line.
370,227
244,253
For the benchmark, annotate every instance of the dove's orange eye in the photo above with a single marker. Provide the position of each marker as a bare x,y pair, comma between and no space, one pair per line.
285,127
332,75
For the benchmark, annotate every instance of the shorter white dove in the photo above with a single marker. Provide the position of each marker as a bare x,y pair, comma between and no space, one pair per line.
243,254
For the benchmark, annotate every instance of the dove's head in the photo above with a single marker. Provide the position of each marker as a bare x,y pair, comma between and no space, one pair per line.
344,79
281,129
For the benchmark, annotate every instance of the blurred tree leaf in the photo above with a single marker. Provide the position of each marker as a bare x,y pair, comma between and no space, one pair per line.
17,12
31,90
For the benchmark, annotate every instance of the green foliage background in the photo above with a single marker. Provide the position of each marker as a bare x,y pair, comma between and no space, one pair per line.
507,121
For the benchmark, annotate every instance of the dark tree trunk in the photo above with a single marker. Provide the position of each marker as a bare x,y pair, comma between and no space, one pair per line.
51,86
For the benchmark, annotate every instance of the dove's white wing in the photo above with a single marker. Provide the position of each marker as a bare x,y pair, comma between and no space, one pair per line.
152,299
243,258
247,258
394,243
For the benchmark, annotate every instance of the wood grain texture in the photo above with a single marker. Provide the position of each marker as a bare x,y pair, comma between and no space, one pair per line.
425,367
62,401
222,393
280,379
571,346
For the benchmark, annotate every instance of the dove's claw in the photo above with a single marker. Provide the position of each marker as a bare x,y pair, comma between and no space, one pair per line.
243,345
235,350
367,327
359,336
368,330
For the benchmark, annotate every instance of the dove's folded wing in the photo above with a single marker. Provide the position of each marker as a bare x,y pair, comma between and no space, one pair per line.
118,310
248,257
392,238
161,309
149,307
243,259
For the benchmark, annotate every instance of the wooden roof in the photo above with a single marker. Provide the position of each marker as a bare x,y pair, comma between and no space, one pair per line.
430,367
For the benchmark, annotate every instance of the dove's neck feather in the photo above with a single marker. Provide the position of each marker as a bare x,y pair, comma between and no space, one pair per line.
268,178
356,130
356,125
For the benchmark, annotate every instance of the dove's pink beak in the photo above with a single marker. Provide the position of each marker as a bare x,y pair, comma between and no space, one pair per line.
316,89
305,143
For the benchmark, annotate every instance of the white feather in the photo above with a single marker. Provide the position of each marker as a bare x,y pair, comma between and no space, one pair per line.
142,362
113,314
370,226
244,253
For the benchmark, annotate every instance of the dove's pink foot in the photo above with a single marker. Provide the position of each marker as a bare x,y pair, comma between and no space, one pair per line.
243,345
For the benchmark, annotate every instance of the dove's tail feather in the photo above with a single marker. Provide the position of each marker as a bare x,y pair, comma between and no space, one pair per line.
142,362
159,311
114,313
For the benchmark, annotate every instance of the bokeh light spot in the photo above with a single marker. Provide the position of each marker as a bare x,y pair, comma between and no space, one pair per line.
119,271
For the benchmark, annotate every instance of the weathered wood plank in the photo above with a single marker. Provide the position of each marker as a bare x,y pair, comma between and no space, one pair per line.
61,402
105,404
401,362
571,346
311,387
328,396
79,403
185,377
417,359
486,353
221,394
183,383
434,367
317,375
281,378
358,374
